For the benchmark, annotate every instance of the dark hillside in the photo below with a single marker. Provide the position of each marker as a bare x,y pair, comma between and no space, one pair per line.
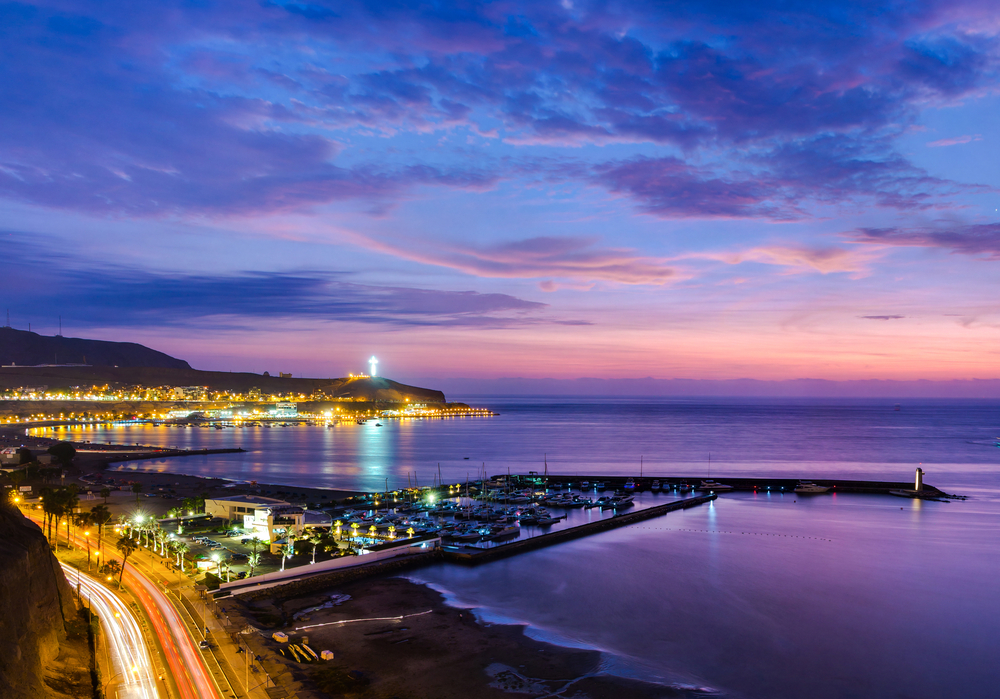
31,349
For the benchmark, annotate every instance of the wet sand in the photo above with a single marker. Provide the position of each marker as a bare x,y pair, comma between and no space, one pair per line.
432,651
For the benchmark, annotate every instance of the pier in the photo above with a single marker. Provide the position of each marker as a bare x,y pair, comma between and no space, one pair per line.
473,555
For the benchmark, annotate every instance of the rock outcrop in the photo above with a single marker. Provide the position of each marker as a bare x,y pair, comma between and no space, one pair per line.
35,605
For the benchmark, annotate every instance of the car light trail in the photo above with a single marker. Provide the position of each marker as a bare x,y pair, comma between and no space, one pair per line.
183,657
185,663
130,657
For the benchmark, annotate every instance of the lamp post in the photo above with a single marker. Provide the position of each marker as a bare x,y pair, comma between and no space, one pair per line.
86,537
107,684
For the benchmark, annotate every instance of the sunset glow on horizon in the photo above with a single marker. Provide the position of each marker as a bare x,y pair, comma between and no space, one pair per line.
567,189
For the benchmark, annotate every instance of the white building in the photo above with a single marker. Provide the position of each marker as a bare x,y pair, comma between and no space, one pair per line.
275,524
285,410
236,507
190,392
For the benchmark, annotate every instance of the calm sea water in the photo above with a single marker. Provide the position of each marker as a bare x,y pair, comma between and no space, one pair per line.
763,596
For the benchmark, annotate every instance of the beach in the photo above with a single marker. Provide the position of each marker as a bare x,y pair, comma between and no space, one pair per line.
404,640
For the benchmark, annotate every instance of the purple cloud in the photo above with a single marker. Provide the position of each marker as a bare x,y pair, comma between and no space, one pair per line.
234,108
671,188
969,239
95,292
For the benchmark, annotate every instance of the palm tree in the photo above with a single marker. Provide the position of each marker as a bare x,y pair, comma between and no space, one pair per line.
181,548
105,493
70,501
253,560
100,515
137,488
52,509
315,541
112,566
123,522
126,547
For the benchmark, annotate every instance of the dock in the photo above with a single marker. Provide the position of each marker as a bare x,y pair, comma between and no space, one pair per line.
473,555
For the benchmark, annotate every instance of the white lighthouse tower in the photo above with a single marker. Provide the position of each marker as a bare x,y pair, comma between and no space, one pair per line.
918,482
374,363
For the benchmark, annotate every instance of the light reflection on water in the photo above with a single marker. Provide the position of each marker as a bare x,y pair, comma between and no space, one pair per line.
852,596
759,595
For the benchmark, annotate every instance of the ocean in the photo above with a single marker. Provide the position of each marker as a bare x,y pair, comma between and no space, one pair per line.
755,595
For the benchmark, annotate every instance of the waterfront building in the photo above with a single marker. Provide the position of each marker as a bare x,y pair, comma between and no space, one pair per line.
236,507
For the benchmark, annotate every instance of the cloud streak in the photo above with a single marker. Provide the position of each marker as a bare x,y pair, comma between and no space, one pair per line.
108,296
576,259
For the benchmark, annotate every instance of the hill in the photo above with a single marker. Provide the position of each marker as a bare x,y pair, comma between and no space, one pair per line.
361,389
25,348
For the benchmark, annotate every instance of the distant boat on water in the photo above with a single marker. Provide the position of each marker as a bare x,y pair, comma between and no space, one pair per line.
713,485
806,488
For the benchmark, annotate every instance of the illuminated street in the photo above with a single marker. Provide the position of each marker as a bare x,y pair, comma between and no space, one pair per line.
185,663
131,665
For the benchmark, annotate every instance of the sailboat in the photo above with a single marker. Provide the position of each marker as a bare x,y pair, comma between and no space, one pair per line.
710,485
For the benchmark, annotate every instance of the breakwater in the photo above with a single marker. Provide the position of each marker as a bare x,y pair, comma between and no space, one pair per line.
472,555
752,483
165,454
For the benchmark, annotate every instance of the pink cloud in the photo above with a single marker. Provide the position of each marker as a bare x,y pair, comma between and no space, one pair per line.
543,257
957,141
826,260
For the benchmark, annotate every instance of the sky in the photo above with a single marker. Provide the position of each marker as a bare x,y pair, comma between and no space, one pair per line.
563,189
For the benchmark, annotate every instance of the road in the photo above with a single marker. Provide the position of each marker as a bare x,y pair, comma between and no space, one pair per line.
131,662
184,659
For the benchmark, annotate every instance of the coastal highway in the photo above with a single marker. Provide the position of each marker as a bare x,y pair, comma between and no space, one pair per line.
184,660
132,668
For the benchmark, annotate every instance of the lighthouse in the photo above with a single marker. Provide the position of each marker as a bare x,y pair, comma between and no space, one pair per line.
918,483
373,363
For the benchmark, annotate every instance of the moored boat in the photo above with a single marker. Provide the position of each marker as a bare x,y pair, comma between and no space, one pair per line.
713,486
807,487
